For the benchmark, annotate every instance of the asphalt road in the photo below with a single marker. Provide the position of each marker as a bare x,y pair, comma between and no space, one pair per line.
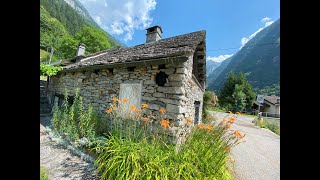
258,158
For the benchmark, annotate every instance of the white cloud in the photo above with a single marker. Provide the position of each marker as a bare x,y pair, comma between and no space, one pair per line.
219,58
265,20
121,17
98,20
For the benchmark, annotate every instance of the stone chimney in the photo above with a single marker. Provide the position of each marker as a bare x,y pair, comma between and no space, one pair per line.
81,49
153,34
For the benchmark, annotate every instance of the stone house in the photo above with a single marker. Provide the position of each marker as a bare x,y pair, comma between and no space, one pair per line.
168,73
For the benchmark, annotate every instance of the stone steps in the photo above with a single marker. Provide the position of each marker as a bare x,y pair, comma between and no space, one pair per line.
45,107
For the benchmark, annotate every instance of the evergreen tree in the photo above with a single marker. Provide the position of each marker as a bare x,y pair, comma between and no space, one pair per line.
237,94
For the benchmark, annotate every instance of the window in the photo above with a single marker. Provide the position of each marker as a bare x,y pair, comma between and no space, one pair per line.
161,78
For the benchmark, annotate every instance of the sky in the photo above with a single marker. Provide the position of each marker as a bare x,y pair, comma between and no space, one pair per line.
229,24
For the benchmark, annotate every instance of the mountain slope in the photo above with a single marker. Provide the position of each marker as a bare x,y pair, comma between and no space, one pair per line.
216,72
73,15
211,66
259,59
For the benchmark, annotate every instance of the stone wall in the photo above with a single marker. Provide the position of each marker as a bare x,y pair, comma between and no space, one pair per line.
98,87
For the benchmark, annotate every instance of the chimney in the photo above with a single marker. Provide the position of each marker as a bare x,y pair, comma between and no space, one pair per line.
153,34
81,49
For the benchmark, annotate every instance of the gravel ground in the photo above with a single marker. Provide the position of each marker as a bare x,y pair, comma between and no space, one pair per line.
60,162
258,158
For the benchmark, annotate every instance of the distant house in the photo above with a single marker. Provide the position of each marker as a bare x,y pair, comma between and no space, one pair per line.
168,73
270,106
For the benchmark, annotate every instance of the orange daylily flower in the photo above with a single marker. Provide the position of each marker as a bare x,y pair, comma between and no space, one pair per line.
238,134
188,121
227,125
230,112
162,110
165,123
144,105
125,100
109,110
132,107
145,119
231,120
202,126
209,127
115,99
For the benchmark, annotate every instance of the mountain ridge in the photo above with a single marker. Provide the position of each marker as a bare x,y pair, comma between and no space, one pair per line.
259,59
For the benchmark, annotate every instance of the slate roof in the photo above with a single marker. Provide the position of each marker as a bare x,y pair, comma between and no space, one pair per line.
169,47
272,99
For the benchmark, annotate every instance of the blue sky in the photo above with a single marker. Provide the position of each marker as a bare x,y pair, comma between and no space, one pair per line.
229,23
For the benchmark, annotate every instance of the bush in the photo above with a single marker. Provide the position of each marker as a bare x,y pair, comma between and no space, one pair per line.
131,152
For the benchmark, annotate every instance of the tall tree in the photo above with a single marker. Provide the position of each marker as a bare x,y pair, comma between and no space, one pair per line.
236,93
94,39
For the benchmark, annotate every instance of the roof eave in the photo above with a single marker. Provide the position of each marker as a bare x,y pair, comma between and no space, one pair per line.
156,61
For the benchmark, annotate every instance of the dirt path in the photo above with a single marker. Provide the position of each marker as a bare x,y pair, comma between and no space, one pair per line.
59,162
258,158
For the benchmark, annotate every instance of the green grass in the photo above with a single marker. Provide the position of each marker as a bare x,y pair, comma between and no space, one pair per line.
250,115
43,173
44,55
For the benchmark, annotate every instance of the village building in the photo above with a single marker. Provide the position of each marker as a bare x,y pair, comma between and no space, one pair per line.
165,73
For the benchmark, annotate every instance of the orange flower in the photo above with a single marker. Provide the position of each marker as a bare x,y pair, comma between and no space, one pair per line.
162,110
145,120
132,107
115,99
224,121
230,112
231,120
165,123
188,121
144,105
202,126
125,100
109,110
209,127
238,134
227,125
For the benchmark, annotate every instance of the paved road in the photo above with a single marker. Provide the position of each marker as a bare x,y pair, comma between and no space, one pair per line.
60,162
258,158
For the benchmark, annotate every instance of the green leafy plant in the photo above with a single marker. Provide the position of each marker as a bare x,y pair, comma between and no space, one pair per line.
74,121
49,70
